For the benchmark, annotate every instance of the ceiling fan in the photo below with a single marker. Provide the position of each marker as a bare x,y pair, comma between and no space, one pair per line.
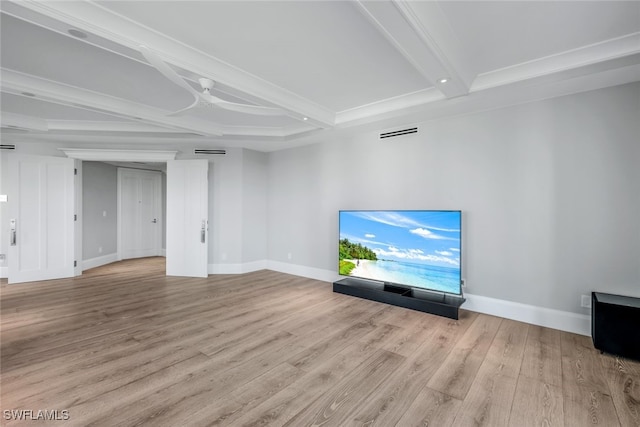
204,97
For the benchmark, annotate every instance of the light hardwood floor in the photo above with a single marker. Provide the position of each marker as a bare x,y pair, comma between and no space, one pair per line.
125,345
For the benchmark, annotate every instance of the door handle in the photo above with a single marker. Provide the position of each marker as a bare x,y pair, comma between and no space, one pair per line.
14,234
203,231
154,220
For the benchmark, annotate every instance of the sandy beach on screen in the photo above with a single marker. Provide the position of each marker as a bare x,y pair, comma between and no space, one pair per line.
361,270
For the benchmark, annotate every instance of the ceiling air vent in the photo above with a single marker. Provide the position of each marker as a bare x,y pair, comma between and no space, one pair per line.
205,151
399,132
7,147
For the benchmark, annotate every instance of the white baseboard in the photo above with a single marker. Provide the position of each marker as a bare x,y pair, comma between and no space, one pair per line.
98,261
246,267
301,270
4,272
541,316
556,319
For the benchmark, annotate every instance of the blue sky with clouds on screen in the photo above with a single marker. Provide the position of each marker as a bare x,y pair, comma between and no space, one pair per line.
424,237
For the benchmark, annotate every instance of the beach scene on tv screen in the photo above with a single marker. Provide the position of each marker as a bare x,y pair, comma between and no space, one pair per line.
415,248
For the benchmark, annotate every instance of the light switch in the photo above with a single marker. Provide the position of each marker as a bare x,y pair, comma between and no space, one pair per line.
104,213
3,198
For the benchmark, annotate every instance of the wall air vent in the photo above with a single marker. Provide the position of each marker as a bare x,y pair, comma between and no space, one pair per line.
205,151
7,147
399,132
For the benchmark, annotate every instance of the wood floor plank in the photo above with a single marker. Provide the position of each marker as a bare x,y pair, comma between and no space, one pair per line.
283,406
490,397
586,406
327,348
388,404
536,403
180,399
334,406
543,356
431,408
587,397
581,363
455,376
124,344
623,378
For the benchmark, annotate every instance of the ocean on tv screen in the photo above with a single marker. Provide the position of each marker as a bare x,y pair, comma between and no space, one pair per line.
414,248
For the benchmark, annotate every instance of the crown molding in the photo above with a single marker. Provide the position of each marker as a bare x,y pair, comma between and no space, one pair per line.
116,155
20,121
388,106
96,19
581,57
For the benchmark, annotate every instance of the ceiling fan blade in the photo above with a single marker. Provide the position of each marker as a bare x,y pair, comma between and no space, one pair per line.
183,110
170,74
165,70
242,108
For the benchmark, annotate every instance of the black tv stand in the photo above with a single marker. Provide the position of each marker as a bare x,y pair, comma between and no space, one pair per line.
442,304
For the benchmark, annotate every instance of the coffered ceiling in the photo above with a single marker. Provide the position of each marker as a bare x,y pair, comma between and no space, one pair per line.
76,70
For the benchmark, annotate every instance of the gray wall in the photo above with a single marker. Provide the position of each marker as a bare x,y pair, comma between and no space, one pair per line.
225,208
550,193
254,206
99,194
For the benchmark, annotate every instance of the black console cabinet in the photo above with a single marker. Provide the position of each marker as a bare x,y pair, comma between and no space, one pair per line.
429,302
615,324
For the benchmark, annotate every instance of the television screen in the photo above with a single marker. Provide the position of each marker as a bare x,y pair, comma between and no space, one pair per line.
420,249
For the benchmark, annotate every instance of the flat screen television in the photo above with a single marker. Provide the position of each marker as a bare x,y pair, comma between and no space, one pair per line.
418,248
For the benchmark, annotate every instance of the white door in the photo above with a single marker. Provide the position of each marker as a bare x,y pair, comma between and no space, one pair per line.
187,216
41,215
139,213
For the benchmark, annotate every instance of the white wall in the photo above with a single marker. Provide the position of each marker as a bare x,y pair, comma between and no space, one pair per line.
550,193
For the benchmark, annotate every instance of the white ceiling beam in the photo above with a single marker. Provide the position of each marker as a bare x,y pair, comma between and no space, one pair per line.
583,57
418,30
20,121
258,131
107,126
96,19
16,82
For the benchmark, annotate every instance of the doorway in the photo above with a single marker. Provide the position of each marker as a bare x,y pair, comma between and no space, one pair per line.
190,239
140,218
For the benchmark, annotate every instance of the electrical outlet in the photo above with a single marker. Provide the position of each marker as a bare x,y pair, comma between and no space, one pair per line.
585,301
289,255
99,249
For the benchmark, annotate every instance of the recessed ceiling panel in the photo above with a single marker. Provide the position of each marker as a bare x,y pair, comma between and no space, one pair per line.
43,53
325,51
498,34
